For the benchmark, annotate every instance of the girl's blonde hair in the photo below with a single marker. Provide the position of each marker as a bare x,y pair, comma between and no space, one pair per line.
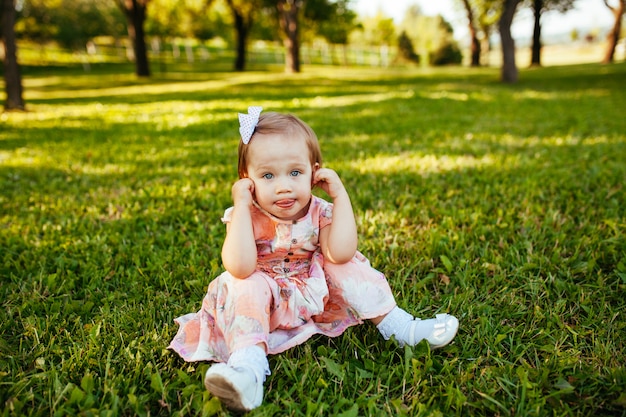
287,125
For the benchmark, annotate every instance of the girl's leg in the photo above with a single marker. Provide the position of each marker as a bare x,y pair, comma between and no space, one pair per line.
364,289
244,316
367,291
242,310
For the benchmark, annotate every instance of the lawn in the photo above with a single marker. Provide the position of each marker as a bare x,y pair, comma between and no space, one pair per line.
504,205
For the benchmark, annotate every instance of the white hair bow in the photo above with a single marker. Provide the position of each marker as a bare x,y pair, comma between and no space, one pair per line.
247,122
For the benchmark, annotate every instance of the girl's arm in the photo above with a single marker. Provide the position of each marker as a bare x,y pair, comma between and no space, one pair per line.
239,254
339,239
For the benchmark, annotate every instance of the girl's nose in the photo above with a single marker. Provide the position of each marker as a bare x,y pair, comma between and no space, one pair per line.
283,185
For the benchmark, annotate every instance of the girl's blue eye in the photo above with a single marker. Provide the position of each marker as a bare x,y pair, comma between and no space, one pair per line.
295,173
268,176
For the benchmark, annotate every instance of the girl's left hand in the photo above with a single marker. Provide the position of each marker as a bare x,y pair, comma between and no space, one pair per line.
329,181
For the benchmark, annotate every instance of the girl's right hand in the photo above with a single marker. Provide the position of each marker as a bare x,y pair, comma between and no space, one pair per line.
243,192
239,253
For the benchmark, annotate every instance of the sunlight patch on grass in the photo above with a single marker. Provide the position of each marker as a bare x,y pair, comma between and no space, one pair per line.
22,157
420,164
5,156
31,83
163,115
449,95
74,89
575,140
106,169
559,95
349,100
569,140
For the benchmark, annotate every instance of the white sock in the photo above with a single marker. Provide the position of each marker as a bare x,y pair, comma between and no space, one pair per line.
405,328
252,358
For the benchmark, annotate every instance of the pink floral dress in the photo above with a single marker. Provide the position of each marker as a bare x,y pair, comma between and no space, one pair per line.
291,296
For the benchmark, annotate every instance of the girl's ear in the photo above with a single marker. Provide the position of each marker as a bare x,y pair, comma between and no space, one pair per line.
315,168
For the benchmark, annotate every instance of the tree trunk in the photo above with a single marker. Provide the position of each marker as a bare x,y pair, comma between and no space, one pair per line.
509,69
613,36
485,45
475,44
135,11
12,75
535,58
242,37
288,16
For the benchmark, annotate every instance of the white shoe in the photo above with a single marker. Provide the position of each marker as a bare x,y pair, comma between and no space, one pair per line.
237,388
445,329
408,330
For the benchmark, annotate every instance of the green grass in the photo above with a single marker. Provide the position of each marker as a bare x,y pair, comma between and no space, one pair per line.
504,205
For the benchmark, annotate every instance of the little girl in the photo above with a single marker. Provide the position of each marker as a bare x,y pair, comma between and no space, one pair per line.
292,267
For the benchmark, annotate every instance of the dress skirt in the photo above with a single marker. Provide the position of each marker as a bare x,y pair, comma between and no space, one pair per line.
282,310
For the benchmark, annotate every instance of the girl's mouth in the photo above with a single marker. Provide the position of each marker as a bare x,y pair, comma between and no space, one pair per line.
285,204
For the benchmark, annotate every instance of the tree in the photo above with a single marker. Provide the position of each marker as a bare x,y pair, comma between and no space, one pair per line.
206,22
377,31
12,75
336,23
405,48
266,26
509,72
432,36
614,34
136,12
288,11
482,16
37,21
535,50
184,19
474,43
167,19
539,7
488,17
243,16
96,17
46,20
289,15
332,21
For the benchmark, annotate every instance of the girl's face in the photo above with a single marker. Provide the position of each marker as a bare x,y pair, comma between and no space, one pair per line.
282,174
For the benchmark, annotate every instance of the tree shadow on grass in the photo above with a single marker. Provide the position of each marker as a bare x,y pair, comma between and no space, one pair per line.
121,88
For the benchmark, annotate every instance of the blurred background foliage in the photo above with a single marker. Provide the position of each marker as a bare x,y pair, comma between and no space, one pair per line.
46,22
